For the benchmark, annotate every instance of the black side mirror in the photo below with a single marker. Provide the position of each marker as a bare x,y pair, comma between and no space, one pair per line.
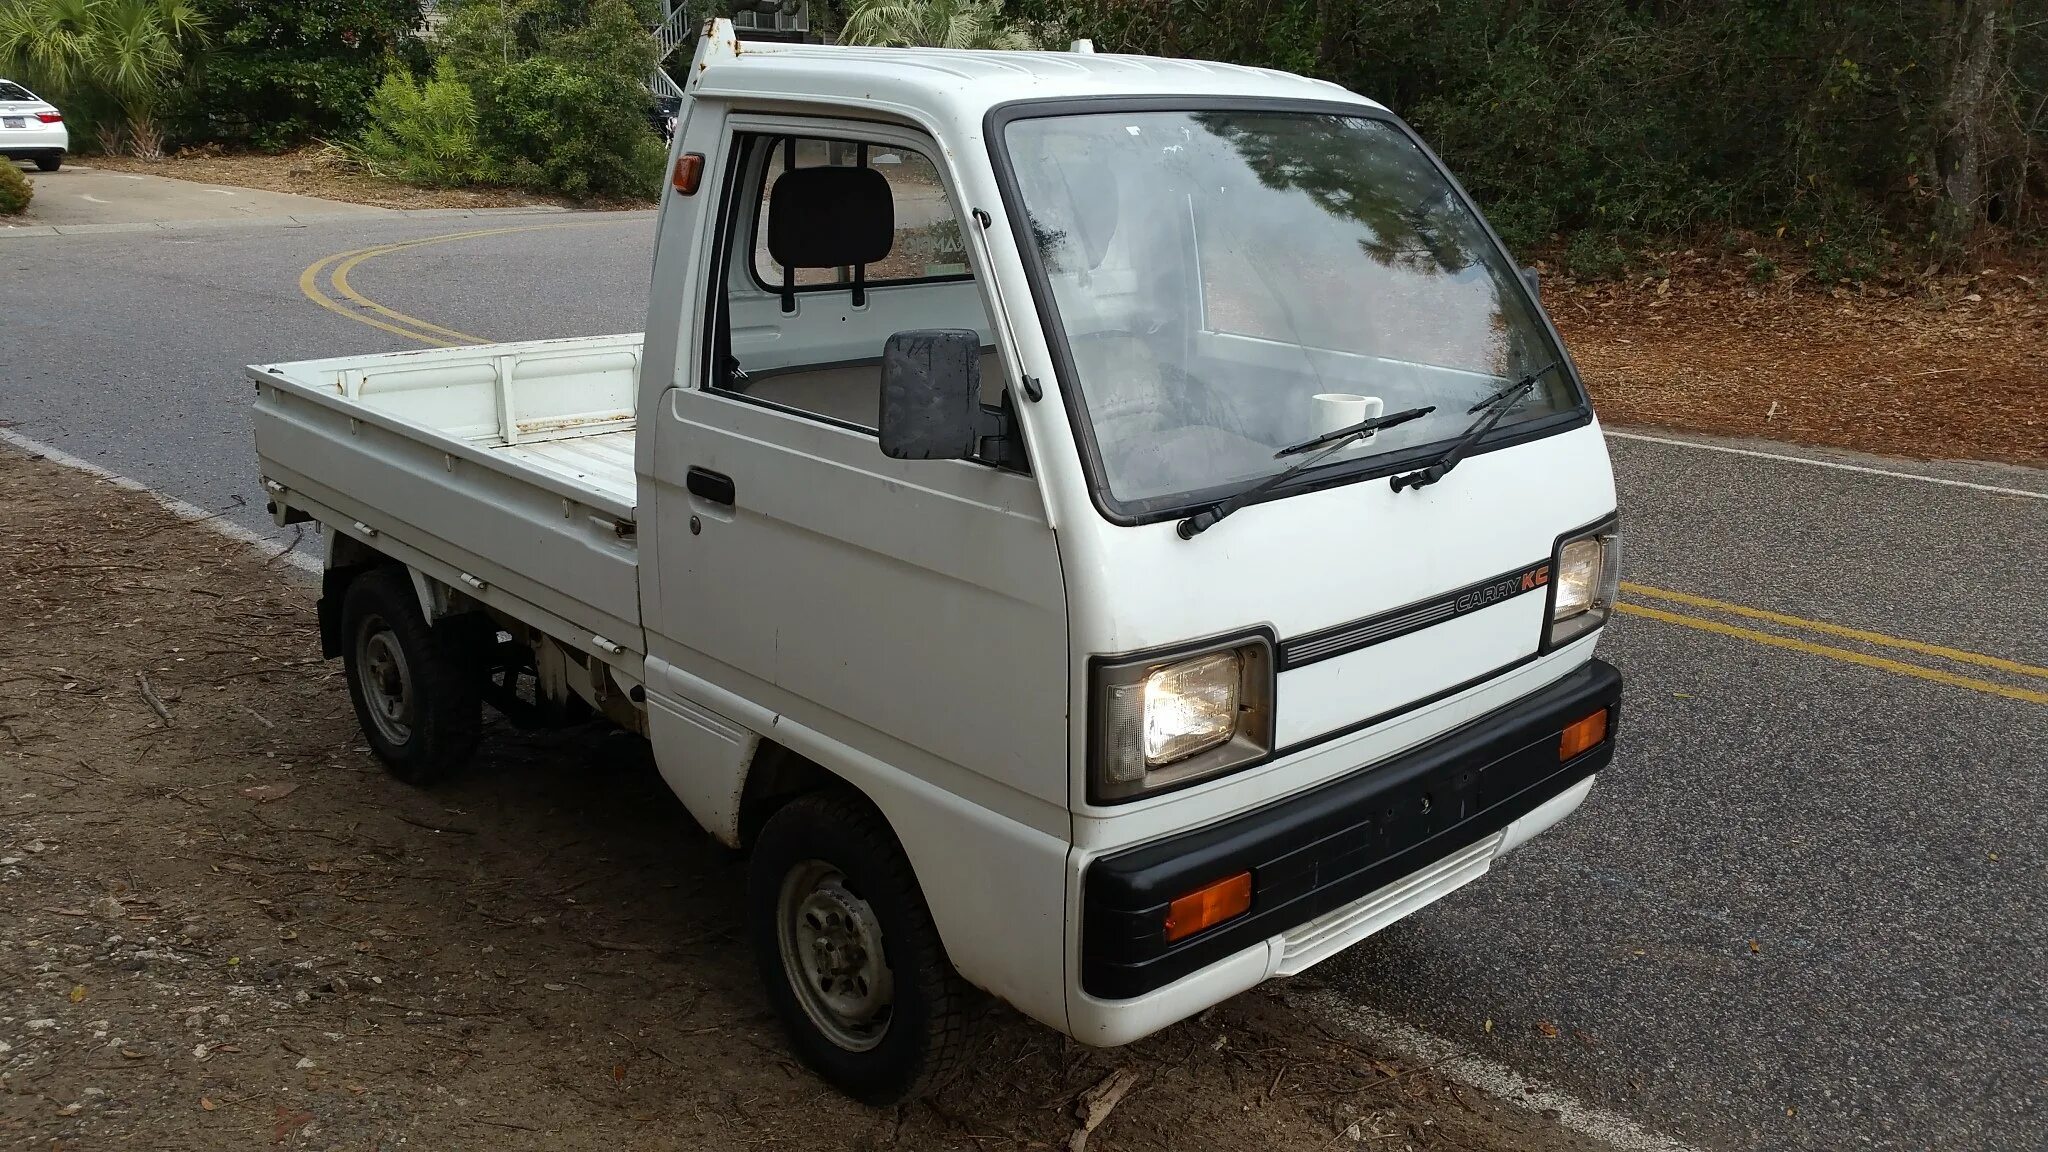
1530,278
931,395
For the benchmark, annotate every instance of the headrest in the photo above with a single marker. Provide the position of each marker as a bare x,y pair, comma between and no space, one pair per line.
830,216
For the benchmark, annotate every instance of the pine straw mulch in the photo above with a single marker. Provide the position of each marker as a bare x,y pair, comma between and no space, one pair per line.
321,170
1948,367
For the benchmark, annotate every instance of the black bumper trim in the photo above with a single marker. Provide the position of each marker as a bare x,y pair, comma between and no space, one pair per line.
1316,852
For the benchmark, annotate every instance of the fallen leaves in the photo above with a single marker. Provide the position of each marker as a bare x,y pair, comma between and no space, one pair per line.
1546,1029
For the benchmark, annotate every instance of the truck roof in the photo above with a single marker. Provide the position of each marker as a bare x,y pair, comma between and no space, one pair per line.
960,87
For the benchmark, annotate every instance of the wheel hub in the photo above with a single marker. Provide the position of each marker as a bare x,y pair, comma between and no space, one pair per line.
832,953
386,680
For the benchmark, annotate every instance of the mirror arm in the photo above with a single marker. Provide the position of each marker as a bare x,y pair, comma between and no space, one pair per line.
997,440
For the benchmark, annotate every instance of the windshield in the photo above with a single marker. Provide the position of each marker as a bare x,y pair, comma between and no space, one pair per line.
1233,282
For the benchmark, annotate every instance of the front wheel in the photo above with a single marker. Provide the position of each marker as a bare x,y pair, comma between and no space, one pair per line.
848,954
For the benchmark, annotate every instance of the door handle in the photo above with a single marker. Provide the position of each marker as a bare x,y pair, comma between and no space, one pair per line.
705,484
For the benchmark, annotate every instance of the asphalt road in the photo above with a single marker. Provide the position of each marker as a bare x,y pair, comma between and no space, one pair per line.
1805,910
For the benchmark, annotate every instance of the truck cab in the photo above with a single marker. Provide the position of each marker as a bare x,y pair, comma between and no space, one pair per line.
1101,532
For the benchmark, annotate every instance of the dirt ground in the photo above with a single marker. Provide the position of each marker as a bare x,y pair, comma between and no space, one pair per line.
222,926
1945,367
318,170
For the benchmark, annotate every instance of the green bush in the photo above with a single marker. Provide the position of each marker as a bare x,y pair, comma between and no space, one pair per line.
545,94
284,71
1838,261
424,133
15,190
1595,256
563,128
561,104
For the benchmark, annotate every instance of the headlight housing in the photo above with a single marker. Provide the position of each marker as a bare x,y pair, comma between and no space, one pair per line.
1585,575
1160,722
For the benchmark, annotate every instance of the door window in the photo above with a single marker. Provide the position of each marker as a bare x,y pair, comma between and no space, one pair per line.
836,243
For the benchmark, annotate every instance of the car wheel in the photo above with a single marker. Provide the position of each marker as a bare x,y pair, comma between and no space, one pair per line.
849,956
50,163
416,688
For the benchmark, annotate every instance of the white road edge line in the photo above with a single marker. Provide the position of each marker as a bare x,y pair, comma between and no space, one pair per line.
1993,488
183,510
1493,1078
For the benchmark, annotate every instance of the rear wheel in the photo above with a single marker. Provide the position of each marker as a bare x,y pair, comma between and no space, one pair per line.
50,163
848,954
415,687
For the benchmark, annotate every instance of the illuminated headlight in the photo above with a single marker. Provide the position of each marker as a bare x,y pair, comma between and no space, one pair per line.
1165,722
1585,575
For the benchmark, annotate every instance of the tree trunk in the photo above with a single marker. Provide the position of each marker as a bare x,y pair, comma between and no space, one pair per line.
1976,34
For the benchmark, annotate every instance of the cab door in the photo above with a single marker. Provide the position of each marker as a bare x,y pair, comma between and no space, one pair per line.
904,617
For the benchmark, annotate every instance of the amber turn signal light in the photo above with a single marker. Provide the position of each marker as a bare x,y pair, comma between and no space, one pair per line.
1208,906
1582,734
689,170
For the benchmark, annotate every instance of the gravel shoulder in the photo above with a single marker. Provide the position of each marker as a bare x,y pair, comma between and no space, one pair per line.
221,925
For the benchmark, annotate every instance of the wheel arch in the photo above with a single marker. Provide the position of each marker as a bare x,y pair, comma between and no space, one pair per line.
991,863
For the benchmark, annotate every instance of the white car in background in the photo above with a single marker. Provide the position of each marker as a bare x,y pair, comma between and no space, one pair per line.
31,128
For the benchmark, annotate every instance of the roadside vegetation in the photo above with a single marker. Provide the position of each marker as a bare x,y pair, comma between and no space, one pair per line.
15,190
1855,137
970,24
538,94
1827,142
114,63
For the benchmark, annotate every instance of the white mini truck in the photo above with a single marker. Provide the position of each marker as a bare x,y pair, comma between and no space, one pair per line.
1103,531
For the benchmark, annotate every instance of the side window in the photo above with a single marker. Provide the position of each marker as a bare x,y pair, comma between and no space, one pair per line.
873,246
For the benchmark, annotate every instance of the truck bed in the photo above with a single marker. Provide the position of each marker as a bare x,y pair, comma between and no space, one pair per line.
503,470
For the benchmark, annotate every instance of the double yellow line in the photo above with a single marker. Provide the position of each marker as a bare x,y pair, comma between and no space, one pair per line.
1833,652
334,270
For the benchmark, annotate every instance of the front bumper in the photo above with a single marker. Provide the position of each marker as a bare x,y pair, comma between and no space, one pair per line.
1332,865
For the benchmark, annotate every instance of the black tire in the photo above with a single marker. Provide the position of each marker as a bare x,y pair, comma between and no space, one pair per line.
432,730
50,163
932,1013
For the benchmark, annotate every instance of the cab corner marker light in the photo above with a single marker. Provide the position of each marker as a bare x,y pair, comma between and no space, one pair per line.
689,170
1581,735
1209,906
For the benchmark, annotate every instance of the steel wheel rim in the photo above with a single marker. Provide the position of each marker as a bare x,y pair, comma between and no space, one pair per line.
385,680
831,945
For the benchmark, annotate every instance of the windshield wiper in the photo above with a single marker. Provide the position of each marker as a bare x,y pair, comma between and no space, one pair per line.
1495,407
1330,442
